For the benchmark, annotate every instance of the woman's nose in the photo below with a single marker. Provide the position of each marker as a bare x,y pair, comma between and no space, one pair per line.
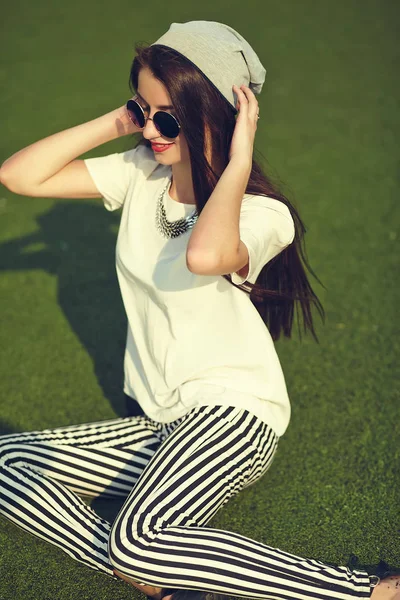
150,130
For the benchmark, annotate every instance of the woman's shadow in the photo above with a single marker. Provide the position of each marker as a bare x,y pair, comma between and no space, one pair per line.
76,243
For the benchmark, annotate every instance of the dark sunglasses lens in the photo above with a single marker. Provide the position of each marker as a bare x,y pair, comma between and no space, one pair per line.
135,113
166,124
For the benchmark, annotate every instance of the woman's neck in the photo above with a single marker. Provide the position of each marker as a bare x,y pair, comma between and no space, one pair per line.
181,188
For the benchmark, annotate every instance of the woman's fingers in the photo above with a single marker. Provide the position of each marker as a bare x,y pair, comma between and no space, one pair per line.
253,108
242,100
247,100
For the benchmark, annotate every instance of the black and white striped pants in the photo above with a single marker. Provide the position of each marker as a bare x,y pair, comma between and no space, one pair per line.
175,477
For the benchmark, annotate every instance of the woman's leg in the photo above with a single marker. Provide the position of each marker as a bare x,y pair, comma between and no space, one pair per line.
159,535
42,472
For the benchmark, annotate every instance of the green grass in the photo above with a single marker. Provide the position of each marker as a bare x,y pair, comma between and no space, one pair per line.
329,130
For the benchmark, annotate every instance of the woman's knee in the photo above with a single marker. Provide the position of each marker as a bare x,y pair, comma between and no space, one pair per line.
16,454
123,546
10,453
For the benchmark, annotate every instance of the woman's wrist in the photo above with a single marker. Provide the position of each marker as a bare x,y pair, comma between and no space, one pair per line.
242,163
124,124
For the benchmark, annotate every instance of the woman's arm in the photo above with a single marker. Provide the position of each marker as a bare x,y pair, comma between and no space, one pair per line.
47,167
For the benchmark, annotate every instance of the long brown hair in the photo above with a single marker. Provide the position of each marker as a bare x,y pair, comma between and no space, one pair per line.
205,114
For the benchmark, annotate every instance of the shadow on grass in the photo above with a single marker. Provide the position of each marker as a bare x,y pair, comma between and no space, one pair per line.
76,243
5,428
106,508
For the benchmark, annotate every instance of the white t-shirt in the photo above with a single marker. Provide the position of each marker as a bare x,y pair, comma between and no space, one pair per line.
192,339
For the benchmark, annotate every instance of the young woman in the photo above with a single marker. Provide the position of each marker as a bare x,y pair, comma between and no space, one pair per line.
199,219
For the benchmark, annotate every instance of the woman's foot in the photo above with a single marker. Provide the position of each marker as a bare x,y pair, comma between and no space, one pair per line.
387,589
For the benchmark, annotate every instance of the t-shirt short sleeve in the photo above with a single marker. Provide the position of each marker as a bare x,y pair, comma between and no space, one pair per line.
266,228
114,173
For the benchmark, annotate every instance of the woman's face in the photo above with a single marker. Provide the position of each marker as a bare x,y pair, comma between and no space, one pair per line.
153,96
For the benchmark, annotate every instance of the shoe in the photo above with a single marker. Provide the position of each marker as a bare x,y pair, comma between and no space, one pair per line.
382,572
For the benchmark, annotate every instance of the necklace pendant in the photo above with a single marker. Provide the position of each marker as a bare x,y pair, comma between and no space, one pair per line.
172,229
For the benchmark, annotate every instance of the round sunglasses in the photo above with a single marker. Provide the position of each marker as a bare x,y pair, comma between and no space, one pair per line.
164,122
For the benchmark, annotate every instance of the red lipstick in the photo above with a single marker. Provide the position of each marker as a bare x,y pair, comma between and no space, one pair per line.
160,147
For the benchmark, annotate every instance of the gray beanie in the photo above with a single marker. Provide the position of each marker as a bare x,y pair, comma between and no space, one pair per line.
220,52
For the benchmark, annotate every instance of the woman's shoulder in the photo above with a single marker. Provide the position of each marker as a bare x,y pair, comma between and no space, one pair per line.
139,153
264,214
141,158
261,201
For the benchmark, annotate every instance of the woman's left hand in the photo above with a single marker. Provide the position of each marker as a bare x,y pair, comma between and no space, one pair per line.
246,124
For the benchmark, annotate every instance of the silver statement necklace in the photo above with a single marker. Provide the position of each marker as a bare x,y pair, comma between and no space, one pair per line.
172,229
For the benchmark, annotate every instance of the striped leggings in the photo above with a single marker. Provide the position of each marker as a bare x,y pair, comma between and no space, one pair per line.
174,477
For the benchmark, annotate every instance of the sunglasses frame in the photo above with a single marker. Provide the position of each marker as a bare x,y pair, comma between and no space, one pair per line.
134,99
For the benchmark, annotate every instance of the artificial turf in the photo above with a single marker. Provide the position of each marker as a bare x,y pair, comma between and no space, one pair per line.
329,132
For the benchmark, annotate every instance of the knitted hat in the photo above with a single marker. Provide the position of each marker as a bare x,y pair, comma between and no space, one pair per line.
220,52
